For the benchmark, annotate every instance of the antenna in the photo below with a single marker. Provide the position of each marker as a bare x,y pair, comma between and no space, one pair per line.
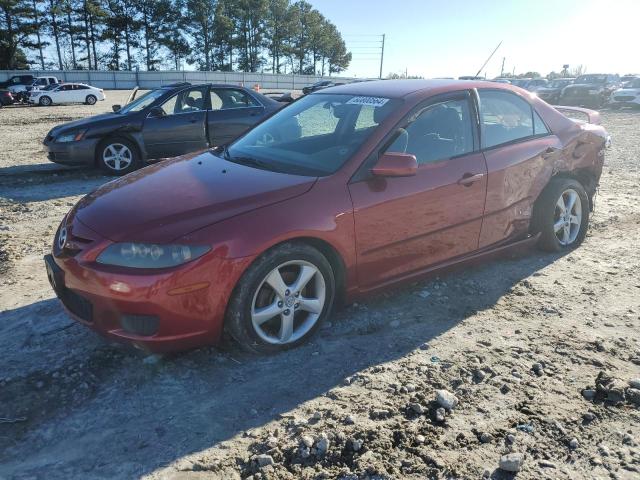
485,63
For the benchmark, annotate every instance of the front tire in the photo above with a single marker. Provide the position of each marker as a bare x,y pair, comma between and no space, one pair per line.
282,299
118,156
91,100
561,215
45,101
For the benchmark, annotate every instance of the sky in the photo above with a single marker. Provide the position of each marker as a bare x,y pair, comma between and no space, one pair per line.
449,38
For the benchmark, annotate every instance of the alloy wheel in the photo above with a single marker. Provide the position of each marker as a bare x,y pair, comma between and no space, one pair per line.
288,302
117,157
567,217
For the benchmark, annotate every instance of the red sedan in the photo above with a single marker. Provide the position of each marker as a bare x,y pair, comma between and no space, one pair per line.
346,191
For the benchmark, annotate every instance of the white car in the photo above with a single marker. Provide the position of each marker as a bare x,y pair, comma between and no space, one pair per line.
67,93
628,96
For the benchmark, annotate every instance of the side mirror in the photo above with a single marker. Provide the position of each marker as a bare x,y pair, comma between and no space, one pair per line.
116,108
156,112
395,164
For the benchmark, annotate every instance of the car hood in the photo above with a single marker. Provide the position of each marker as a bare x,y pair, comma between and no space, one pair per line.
94,121
166,201
592,86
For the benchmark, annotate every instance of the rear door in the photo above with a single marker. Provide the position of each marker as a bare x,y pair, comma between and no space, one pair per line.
519,150
232,112
182,128
64,94
407,224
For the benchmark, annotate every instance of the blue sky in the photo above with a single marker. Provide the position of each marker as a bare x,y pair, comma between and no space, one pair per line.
437,38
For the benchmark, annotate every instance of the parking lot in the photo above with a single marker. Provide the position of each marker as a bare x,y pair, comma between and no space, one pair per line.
75,406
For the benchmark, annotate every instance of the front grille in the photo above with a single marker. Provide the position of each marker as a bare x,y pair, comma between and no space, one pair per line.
145,325
624,98
79,306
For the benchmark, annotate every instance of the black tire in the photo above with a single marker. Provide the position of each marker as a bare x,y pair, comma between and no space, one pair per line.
90,100
238,321
110,167
546,214
45,101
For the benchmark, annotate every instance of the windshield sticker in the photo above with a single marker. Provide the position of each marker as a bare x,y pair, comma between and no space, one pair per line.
373,101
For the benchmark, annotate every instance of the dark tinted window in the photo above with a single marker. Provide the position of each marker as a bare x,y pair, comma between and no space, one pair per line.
81,87
505,117
439,132
65,88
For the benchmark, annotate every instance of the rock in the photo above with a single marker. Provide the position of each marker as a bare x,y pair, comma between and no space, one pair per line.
263,460
410,387
510,439
272,442
589,394
573,443
307,441
486,473
322,445
611,388
420,439
538,369
478,375
627,439
504,389
350,419
440,414
486,438
511,462
635,383
633,396
305,452
356,445
380,413
589,417
417,408
546,464
317,416
446,399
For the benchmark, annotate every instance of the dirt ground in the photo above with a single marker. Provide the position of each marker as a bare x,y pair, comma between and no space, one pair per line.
519,342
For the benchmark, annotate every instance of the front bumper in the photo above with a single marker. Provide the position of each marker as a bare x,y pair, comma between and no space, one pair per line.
71,153
181,308
622,100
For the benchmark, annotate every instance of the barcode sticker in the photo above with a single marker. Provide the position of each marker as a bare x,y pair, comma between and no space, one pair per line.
373,101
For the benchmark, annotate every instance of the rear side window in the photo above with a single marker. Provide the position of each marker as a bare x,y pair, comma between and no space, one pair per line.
505,118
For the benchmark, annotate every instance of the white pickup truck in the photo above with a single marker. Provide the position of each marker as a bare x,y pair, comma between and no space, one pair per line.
38,82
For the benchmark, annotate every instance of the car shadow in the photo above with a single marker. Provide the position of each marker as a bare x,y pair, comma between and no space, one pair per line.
162,411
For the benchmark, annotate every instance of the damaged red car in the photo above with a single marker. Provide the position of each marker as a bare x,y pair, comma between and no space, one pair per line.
344,192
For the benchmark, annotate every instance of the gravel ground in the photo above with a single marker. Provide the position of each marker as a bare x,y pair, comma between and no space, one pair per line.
523,364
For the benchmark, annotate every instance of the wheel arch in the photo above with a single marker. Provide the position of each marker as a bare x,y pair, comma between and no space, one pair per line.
586,178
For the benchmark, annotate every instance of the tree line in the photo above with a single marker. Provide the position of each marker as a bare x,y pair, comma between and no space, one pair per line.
278,36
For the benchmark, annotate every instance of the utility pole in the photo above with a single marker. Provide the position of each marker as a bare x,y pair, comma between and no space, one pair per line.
502,68
381,56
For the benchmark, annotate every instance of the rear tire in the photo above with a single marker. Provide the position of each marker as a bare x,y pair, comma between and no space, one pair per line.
561,215
45,101
265,319
91,100
118,156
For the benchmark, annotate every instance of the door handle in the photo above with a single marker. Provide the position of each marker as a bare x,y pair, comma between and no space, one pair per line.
469,179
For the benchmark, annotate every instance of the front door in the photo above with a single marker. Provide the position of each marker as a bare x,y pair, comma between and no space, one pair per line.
232,113
182,127
406,224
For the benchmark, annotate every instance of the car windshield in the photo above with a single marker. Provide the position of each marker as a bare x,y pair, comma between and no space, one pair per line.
634,83
559,83
143,102
591,79
314,136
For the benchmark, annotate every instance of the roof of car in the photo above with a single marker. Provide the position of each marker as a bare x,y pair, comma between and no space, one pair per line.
402,88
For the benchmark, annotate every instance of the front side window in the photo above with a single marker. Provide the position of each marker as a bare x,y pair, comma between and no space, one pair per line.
192,100
229,98
505,118
143,102
439,132
313,136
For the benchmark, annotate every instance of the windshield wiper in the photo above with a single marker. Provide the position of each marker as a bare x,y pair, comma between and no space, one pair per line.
250,161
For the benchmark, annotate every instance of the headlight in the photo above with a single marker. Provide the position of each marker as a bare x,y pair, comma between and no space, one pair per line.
71,137
146,255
